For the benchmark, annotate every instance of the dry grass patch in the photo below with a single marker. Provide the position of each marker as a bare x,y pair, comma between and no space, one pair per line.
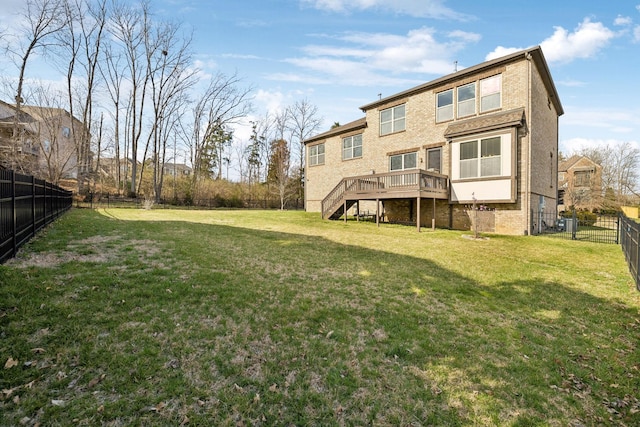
147,317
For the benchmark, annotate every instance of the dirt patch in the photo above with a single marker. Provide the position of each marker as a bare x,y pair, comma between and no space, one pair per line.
94,249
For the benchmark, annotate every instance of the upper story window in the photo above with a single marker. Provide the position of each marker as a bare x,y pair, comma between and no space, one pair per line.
434,159
490,93
66,132
467,100
392,120
403,161
444,106
582,179
486,161
352,147
316,155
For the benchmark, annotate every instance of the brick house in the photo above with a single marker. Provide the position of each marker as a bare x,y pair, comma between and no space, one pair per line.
47,141
579,184
19,146
485,136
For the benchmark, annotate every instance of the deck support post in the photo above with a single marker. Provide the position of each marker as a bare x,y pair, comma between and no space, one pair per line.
433,220
357,210
418,213
345,210
378,212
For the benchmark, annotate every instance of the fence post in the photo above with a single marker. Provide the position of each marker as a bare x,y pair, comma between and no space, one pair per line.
14,222
33,206
574,225
618,226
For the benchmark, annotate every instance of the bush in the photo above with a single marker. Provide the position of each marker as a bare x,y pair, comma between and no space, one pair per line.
583,217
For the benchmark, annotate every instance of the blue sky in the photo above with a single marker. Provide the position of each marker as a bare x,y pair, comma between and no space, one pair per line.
341,54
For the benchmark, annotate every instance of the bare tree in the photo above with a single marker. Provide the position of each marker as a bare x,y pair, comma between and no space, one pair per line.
279,172
111,69
131,27
168,60
304,122
57,152
82,42
42,20
620,168
223,103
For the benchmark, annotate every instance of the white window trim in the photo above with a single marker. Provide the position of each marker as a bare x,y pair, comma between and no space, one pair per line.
439,109
471,101
351,149
394,120
478,159
314,155
415,153
498,92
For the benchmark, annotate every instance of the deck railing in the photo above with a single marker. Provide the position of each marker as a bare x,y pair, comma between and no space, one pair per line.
26,205
386,185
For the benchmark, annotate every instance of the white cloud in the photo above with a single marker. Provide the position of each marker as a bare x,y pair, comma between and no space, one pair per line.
623,20
270,101
416,8
636,34
360,58
571,83
585,42
501,51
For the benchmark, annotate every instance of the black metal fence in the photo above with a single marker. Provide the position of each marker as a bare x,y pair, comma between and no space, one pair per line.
106,201
27,204
584,226
630,241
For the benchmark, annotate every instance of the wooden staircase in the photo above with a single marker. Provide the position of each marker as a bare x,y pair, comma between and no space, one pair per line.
392,185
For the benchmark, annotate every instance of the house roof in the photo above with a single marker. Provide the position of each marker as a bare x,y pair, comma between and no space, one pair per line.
535,53
354,125
490,122
572,161
23,116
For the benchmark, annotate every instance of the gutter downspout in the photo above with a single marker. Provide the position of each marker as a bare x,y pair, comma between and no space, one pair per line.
527,197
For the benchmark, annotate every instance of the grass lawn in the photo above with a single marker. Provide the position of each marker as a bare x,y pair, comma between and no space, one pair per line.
164,317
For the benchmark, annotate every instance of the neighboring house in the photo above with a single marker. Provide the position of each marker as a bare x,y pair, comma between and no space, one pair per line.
176,169
486,135
18,139
108,168
579,184
51,137
64,143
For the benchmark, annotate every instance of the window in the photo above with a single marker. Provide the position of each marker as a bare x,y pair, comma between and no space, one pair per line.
582,179
66,132
352,147
490,160
490,91
487,163
316,155
392,120
444,106
469,159
403,161
434,159
467,100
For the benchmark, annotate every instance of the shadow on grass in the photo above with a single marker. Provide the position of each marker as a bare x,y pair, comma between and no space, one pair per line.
217,324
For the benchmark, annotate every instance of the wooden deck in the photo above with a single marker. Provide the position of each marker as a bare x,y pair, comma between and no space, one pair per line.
416,183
